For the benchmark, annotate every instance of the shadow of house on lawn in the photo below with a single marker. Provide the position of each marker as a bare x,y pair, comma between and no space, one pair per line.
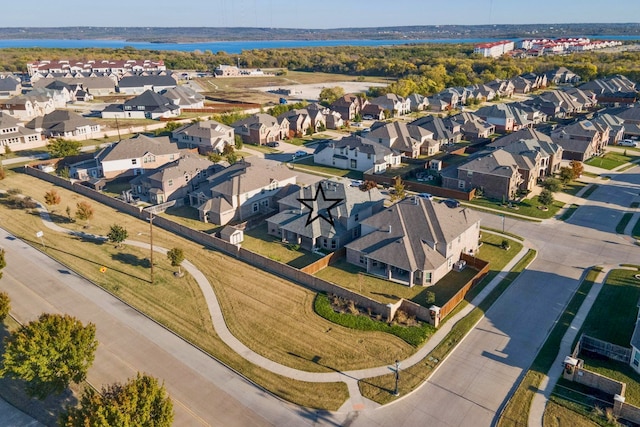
45,411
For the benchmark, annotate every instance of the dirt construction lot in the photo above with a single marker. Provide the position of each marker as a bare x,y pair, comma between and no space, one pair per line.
311,92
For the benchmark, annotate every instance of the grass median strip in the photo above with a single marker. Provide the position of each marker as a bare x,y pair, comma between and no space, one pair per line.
568,212
624,221
516,413
380,389
590,190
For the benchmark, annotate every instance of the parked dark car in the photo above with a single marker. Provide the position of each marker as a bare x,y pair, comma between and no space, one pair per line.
273,144
451,203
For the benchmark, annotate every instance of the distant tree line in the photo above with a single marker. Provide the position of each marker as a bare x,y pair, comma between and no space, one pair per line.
431,67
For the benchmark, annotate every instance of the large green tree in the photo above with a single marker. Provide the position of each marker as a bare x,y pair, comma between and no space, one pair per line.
5,305
60,147
141,401
330,94
50,353
3,262
176,256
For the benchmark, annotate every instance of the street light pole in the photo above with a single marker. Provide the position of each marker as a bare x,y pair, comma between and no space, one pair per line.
502,223
151,243
396,392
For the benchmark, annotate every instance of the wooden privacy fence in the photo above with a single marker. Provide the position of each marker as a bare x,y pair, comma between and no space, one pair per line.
482,267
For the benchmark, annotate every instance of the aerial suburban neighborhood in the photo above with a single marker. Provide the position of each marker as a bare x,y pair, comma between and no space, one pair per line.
444,234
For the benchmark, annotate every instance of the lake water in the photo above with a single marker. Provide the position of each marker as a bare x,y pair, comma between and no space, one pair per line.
238,46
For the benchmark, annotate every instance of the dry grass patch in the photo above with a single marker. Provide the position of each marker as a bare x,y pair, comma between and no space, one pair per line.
272,316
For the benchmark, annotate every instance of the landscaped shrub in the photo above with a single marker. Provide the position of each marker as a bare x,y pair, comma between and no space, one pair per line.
414,335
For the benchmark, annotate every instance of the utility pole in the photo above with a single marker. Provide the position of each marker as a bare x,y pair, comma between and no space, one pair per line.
151,243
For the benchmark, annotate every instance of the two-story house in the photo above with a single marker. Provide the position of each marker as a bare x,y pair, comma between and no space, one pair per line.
148,105
174,180
505,117
136,85
332,198
207,136
410,140
65,124
397,105
415,242
444,131
357,153
261,128
243,190
582,140
14,136
348,106
471,126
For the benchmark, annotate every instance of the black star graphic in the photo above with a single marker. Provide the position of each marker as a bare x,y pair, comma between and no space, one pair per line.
319,214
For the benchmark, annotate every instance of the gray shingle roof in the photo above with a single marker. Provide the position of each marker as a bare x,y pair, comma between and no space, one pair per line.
137,147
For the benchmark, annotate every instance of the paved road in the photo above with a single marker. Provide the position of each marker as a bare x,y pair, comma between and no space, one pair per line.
471,387
129,342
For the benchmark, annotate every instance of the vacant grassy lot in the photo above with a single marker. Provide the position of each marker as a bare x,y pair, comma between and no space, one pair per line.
557,415
612,160
270,315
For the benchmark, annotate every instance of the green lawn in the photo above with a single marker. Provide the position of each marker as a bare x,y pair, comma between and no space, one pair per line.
573,187
590,190
189,217
613,316
260,241
636,230
355,278
528,207
307,164
611,160
261,148
570,211
624,221
618,371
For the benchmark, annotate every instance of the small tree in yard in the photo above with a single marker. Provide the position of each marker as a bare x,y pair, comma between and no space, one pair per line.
3,263
545,198
50,353
141,401
567,175
238,142
62,148
52,198
577,167
552,184
5,305
368,185
84,211
398,190
117,234
176,256
431,297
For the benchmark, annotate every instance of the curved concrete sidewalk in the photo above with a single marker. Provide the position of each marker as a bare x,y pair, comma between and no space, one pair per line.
356,400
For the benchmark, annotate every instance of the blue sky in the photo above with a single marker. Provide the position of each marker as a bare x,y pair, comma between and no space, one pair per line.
311,14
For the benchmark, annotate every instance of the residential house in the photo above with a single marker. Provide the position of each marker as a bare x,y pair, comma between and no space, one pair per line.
438,104
349,106
415,242
503,88
395,104
26,107
173,180
243,190
148,105
482,92
521,85
532,112
261,128
184,97
615,123
562,75
505,117
299,122
333,120
10,86
207,136
496,174
472,127
444,131
410,140
65,124
588,99
357,153
581,140
94,85
612,90
129,157
14,136
418,102
333,199
533,140
537,80
137,84
630,114
374,112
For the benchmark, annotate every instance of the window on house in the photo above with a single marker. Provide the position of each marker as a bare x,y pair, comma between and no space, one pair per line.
363,260
354,163
170,183
356,217
255,207
134,161
636,358
461,184
333,244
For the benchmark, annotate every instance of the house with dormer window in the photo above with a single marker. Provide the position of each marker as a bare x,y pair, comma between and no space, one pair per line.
357,153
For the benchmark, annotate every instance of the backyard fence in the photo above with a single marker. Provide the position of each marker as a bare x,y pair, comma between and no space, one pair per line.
604,348
482,267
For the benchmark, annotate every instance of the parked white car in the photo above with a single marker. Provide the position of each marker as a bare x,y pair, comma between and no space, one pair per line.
628,143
